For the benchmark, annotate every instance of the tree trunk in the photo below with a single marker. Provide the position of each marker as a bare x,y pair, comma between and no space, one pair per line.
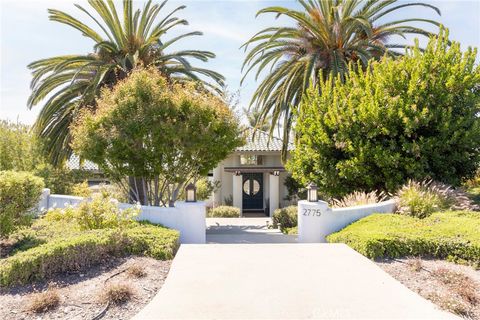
138,190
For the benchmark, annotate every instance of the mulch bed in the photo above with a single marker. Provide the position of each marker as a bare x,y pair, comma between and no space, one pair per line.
81,293
452,287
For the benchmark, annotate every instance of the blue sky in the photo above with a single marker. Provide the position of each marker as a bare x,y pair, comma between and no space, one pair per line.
26,35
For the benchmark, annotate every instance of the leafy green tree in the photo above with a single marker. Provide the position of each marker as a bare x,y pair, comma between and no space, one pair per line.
412,118
164,134
19,149
69,83
327,35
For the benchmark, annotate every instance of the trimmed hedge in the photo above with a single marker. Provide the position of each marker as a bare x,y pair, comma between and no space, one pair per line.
78,252
224,212
454,235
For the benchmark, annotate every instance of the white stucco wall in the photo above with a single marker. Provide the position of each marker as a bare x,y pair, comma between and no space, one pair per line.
186,217
316,220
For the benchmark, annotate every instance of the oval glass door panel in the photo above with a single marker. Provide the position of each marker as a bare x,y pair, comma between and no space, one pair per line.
246,187
255,188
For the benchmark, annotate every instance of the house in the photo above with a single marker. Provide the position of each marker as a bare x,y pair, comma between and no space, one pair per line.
252,177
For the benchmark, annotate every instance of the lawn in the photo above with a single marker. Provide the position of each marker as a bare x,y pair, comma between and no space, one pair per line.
452,235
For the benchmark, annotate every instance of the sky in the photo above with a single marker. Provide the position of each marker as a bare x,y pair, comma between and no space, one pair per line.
27,35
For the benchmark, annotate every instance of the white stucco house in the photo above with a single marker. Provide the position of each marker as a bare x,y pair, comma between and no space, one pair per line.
252,177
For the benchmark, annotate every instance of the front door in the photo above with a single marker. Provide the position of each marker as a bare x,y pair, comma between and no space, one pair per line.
252,192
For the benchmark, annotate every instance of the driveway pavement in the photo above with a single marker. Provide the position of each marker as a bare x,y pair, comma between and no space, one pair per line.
282,281
245,230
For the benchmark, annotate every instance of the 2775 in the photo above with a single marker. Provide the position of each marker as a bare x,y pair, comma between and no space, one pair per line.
312,212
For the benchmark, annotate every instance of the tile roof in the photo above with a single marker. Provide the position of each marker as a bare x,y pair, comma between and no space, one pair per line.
74,164
258,140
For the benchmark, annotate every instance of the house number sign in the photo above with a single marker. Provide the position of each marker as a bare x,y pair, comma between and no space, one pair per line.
312,212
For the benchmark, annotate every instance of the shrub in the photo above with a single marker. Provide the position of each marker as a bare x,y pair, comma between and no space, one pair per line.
454,235
205,188
81,190
44,301
409,118
224,212
80,251
19,195
99,212
285,217
358,198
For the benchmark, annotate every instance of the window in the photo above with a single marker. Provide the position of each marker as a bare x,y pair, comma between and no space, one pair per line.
251,159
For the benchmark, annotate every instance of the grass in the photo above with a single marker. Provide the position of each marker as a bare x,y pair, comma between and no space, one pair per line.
454,235
459,283
415,264
44,301
117,293
474,194
136,270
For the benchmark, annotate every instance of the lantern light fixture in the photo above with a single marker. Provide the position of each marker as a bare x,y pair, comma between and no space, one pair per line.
190,193
312,192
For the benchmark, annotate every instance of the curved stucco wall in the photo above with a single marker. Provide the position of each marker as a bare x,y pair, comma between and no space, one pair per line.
186,217
316,220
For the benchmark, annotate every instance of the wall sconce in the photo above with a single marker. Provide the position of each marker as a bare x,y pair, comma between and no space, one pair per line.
190,193
276,173
237,173
312,195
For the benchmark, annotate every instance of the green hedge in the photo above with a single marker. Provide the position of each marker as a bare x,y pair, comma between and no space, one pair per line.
78,252
454,235
286,218
19,195
224,212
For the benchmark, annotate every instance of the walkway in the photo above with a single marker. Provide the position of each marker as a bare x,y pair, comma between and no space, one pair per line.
244,230
282,281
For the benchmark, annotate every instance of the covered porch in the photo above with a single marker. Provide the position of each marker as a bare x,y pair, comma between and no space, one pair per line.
255,190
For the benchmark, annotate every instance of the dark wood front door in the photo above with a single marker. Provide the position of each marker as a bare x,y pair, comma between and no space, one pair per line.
252,190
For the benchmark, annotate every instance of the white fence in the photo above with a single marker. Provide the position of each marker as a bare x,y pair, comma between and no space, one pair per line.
316,220
187,217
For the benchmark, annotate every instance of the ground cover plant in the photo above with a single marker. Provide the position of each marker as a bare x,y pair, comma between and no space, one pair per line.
74,239
453,235
411,118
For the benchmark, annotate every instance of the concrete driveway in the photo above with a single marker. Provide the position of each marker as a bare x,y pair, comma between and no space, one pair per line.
245,230
282,281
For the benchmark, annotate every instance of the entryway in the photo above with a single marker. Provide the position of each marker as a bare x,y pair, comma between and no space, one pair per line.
245,230
252,195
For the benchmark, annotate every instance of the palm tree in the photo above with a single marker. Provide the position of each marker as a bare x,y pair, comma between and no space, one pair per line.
71,82
252,116
327,36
